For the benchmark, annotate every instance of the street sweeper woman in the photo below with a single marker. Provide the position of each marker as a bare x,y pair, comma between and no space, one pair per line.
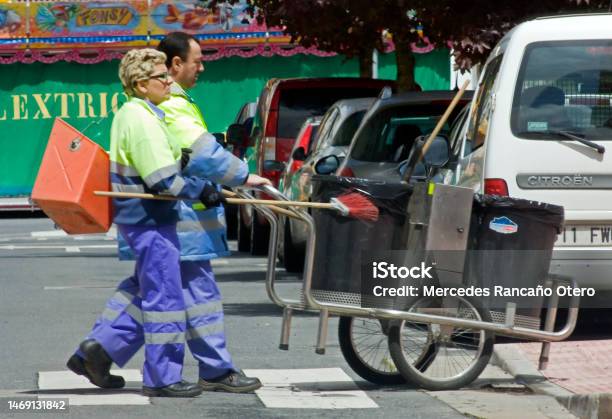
143,159
202,236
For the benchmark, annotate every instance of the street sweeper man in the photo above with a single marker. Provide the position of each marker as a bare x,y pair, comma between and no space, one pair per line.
120,331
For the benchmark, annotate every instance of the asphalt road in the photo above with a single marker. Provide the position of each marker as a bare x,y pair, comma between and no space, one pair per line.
54,286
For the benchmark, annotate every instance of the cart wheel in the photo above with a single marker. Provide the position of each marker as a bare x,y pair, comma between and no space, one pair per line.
437,357
364,347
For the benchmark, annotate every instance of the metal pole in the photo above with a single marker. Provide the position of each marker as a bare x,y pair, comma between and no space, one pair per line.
286,329
549,326
375,64
322,337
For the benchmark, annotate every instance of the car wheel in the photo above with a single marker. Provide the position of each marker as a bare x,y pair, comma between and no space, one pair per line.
293,256
231,219
260,237
243,233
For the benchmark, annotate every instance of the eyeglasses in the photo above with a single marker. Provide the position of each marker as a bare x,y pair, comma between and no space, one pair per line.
164,77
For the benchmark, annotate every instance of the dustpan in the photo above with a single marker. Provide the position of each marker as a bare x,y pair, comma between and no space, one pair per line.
72,167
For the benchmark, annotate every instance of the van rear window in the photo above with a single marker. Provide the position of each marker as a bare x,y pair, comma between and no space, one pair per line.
564,87
296,105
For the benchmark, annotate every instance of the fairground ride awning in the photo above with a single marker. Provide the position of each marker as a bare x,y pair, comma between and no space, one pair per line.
92,31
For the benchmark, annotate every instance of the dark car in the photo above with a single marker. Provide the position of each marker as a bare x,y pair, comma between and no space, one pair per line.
283,106
244,118
388,132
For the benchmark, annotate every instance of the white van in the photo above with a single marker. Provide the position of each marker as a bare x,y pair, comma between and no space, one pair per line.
540,128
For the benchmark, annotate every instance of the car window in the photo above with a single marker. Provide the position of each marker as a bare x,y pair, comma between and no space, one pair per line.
313,136
564,86
344,134
327,123
296,105
388,135
457,130
481,108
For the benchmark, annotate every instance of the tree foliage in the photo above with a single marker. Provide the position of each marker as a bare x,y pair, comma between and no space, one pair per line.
355,27
474,27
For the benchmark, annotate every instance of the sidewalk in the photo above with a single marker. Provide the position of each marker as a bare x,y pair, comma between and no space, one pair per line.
578,374
497,395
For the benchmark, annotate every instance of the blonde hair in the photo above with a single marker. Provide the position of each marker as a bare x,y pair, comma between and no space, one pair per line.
138,64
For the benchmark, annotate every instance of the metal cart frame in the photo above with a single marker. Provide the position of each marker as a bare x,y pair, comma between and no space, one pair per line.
309,302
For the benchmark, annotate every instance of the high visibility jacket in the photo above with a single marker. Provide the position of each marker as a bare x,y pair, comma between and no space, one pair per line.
143,160
202,232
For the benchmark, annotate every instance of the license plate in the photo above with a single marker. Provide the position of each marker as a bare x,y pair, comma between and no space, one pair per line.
585,235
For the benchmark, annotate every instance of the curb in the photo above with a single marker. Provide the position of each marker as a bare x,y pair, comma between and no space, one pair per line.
584,406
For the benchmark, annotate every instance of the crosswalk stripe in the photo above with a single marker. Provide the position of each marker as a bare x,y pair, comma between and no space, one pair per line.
80,392
315,388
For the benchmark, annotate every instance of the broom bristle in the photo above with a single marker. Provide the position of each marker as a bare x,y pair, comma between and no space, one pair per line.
359,206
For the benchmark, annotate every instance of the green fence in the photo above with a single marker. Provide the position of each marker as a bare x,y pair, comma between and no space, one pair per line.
32,95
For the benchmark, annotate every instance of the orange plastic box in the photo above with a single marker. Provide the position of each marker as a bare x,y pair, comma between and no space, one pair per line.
72,168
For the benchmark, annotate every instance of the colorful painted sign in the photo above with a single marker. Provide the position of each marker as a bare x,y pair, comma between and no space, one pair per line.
88,24
225,23
30,29
13,30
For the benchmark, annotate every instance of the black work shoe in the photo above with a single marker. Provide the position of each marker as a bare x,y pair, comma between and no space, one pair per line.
95,366
233,382
182,389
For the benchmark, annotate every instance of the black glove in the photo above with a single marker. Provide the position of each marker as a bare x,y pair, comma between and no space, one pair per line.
211,197
185,152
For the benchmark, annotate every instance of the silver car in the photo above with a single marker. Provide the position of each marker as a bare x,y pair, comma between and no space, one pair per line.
336,131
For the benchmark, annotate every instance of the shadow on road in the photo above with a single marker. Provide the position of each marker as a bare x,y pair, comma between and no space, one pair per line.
259,309
253,276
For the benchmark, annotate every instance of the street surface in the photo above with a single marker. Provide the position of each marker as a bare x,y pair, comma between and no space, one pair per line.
54,286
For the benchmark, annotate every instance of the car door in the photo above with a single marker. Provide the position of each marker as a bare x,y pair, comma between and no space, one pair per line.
470,169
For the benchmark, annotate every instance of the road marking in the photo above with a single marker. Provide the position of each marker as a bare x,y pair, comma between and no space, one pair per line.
316,388
73,249
80,392
93,237
69,287
93,246
49,233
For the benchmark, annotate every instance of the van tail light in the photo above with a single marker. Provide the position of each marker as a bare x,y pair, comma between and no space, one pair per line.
296,165
496,187
347,172
269,148
274,176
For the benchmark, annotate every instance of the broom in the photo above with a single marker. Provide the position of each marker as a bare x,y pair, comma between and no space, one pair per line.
352,204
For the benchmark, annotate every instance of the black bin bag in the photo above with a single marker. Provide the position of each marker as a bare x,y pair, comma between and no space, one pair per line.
510,245
341,240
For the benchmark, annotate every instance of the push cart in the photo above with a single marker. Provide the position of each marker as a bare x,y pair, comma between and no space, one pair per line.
435,343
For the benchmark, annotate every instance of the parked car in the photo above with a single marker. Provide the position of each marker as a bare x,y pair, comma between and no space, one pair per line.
283,106
388,132
335,133
540,128
244,117
301,149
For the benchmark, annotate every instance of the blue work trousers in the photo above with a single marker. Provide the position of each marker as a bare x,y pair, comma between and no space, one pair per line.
119,329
